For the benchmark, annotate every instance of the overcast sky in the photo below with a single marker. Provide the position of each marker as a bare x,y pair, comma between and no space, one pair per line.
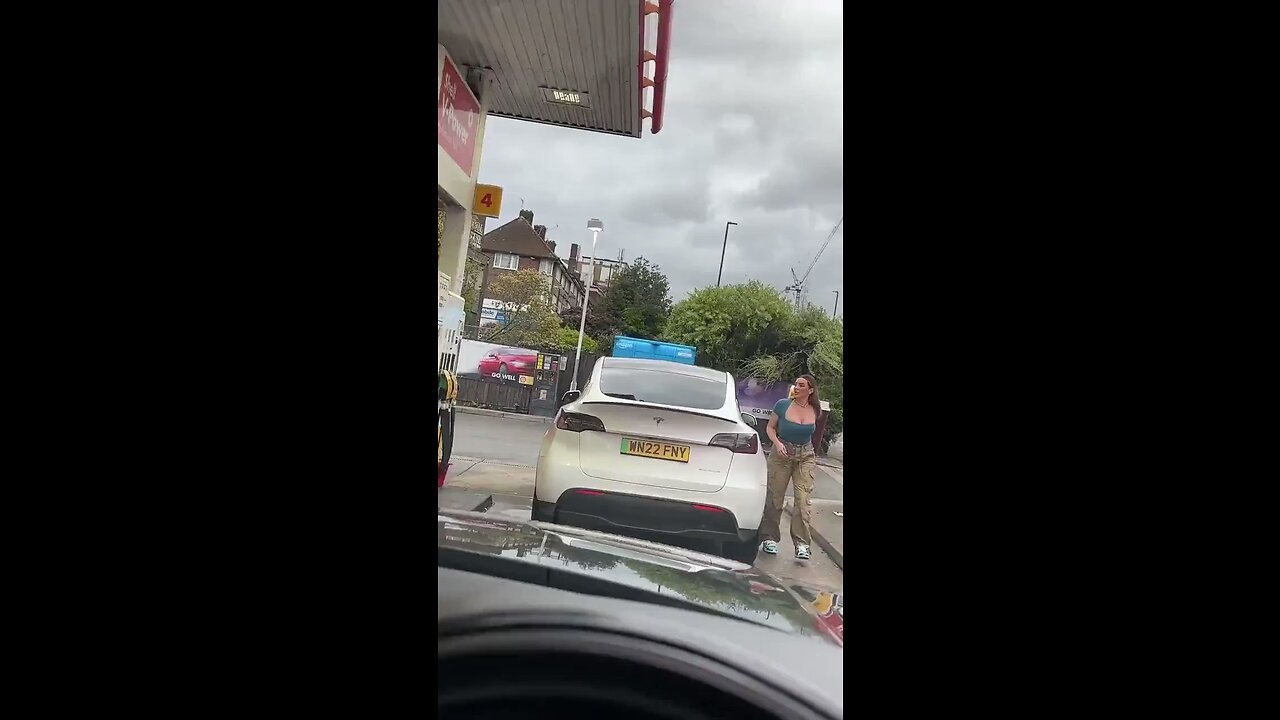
753,132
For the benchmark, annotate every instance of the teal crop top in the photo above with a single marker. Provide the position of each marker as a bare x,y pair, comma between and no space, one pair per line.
788,431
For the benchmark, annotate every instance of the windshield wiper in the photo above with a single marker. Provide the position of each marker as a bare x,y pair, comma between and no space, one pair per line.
622,396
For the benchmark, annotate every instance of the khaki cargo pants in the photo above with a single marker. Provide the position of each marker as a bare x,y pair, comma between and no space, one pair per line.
797,467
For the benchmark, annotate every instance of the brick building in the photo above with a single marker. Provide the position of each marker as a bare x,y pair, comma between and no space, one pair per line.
521,245
603,268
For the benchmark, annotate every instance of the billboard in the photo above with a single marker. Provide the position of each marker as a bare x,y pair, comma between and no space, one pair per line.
503,362
757,397
498,311
457,118
498,316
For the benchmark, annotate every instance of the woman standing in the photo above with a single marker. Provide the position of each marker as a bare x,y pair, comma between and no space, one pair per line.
791,429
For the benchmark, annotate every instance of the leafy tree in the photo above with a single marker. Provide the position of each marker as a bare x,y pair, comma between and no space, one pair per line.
814,344
532,321
600,324
565,340
636,304
471,289
751,331
559,339
730,324
529,312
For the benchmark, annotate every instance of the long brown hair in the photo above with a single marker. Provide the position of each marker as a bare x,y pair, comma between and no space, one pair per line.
813,390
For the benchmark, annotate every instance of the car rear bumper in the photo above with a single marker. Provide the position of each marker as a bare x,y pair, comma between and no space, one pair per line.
608,511
558,474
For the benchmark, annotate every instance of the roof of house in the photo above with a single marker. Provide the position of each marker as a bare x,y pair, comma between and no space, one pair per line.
518,238
607,261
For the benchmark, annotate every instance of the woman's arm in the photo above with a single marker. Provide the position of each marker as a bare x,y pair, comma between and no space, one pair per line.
772,430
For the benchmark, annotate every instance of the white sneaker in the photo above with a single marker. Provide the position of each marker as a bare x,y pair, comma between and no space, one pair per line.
802,552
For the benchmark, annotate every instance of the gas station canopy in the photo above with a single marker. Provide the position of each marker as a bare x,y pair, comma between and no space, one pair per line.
572,63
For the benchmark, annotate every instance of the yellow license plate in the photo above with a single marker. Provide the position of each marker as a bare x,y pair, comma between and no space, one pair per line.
662,451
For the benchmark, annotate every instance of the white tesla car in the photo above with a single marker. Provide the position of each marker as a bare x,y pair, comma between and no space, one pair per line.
655,446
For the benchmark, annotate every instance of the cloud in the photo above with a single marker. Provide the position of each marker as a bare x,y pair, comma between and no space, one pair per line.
754,133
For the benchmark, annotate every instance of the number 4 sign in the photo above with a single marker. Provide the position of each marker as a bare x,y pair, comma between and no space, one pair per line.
488,201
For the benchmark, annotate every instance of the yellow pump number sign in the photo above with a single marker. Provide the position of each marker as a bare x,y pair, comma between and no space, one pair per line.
488,201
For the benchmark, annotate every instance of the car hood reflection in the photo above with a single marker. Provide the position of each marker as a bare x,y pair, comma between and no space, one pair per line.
713,582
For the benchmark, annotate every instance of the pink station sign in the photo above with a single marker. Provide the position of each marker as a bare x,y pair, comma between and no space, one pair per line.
458,118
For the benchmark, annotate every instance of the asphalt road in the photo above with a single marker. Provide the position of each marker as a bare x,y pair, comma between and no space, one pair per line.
505,440
498,439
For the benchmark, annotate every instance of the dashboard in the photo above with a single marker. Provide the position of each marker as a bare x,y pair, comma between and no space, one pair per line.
508,648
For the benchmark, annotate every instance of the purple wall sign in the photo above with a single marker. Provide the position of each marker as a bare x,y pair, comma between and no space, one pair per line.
757,397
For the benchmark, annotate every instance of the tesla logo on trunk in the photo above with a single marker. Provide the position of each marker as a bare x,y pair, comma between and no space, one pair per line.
658,420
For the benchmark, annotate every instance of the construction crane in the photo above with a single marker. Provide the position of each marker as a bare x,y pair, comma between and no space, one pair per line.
794,289
798,287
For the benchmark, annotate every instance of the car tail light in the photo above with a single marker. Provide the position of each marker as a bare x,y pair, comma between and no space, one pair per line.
708,508
577,422
748,443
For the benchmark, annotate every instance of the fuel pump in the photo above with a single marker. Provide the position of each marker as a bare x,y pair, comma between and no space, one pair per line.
545,378
447,400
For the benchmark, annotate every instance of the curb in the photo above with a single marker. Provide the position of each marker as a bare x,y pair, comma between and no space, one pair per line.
836,556
834,472
500,413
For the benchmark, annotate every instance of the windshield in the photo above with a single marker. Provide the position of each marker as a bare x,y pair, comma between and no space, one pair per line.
619,399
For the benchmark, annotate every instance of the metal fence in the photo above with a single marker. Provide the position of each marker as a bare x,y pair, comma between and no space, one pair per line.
566,373
494,394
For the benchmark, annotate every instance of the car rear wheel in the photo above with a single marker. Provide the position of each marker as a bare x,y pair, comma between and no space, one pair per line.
502,368
743,551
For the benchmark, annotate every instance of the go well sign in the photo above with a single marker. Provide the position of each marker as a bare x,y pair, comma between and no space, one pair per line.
458,118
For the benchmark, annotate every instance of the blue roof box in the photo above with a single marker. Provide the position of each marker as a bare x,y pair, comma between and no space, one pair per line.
629,347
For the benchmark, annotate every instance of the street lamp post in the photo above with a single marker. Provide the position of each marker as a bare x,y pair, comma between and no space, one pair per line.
722,249
595,226
833,307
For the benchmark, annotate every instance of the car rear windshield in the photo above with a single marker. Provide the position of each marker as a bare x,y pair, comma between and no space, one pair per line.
666,388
